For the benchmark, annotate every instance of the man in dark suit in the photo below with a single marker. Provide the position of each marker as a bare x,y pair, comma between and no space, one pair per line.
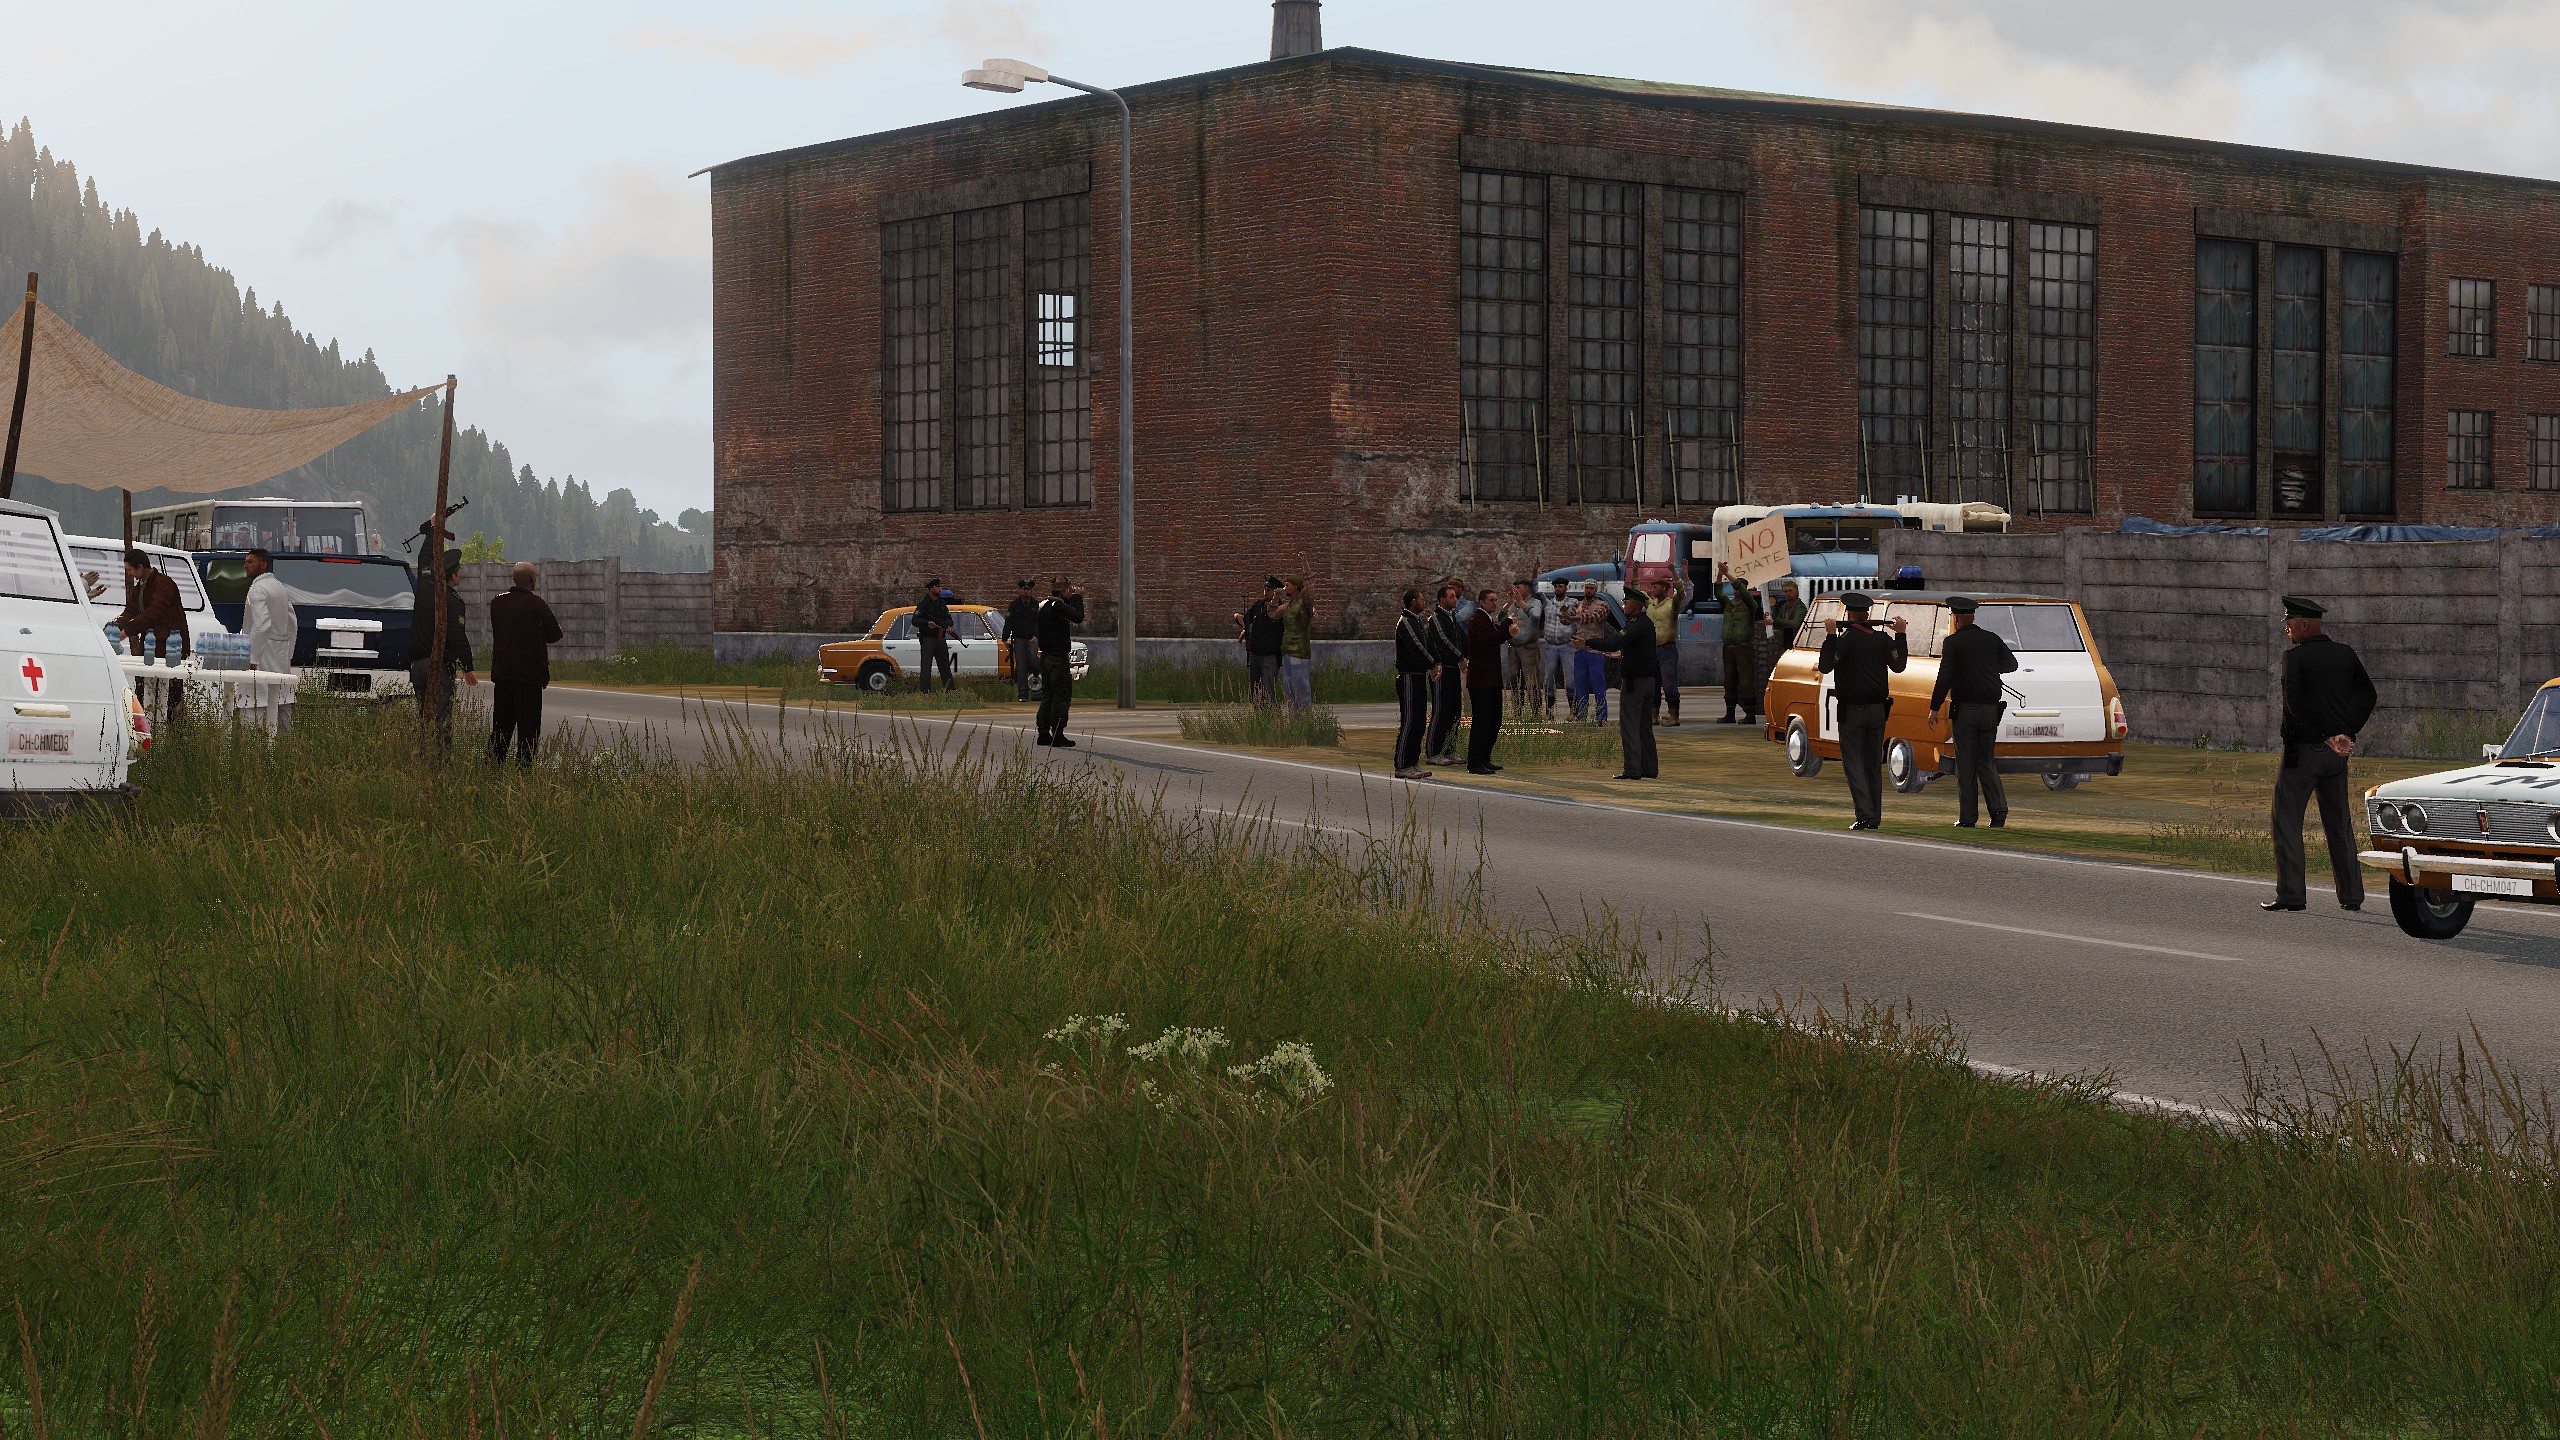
1970,665
1487,636
1059,615
522,631
1860,660
2328,697
1021,634
1448,641
153,611
1639,682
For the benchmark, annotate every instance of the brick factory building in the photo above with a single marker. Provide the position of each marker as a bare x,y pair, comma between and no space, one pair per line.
1400,318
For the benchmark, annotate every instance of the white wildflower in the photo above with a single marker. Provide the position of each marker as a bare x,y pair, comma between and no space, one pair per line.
1181,1042
1290,1068
1100,1029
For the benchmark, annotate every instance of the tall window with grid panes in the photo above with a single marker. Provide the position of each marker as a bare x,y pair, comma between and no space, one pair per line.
1893,353
2226,377
2061,391
1702,345
911,364
1502,333
1978,320
1604,339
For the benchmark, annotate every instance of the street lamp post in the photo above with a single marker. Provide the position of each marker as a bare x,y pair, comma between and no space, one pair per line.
1008,77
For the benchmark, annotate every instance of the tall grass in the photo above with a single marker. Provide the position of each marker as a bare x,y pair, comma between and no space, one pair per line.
616,1099
1276,726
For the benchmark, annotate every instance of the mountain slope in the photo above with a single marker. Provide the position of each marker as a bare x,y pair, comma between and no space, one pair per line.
164,311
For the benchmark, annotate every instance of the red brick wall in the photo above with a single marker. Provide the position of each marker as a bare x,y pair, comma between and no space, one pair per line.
1297,331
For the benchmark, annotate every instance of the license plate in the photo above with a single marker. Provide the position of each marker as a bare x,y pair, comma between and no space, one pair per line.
346,639
2492,885
47,741
2052,730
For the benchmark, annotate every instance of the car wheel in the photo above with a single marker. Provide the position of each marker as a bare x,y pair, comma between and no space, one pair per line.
2428,914
1902,763
2062,781
1036,678
873,677
1800,756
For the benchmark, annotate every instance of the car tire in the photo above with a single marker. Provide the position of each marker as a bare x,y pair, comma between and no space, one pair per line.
1036,679
2422,915
1902,764
874,677
2062,782
1800,756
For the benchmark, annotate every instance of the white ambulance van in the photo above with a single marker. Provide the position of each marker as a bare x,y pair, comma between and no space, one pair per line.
71,726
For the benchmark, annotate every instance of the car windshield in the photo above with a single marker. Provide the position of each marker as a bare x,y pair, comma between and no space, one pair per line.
2045,628
345,584
2537,735
30,562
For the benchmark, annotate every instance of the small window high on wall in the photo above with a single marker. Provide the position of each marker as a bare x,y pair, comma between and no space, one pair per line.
2471,318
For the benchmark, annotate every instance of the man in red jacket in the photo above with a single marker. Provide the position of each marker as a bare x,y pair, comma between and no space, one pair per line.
1486,636
522,631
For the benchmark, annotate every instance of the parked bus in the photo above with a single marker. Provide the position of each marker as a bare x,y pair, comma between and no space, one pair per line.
280,527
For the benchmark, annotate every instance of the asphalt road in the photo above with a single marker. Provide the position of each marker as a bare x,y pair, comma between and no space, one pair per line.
2049,964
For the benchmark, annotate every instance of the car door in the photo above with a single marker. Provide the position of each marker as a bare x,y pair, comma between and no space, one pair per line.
973,643
900,644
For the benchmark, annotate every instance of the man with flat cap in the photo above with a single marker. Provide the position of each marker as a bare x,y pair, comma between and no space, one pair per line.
2327,699
1970,665
1860,659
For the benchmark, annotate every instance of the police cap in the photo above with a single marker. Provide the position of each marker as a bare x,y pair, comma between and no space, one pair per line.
1857,602
1961,604
2297,608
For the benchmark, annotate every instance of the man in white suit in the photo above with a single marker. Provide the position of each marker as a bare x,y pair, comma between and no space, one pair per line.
268,620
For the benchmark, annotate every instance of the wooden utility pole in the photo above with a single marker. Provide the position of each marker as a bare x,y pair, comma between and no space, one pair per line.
431,704
128,517
18,406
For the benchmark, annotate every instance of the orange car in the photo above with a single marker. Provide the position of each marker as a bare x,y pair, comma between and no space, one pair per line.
2065,720
892,652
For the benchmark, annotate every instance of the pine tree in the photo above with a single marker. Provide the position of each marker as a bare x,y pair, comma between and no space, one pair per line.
164,311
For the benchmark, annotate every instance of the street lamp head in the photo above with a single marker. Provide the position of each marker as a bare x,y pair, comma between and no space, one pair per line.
1002,82
1024,70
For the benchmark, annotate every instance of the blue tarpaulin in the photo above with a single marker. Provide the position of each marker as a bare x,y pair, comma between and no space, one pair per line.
2137,525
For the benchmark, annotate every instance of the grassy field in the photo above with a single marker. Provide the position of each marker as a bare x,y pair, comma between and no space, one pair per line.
671,667
616,1100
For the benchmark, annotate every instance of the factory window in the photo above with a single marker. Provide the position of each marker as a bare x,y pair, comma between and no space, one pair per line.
1604,332
2226,377
2367,339
1893,353
1058,251
911,365
2471,317
1702,344
1978,314
2062,362
2298,342
2467,436
981,279
2542,452
1502,333
2542,322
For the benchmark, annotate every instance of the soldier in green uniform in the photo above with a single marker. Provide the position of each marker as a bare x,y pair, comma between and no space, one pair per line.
2328,697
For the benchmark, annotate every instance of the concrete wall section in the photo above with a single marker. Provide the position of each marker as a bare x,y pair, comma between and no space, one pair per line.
2192,626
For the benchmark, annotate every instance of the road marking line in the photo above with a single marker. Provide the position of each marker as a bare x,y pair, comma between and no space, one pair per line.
2076,939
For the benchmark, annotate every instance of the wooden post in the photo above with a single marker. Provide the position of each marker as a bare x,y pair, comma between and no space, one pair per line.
128,516
433,701
18,406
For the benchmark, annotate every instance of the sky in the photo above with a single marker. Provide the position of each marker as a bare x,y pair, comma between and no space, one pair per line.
498,188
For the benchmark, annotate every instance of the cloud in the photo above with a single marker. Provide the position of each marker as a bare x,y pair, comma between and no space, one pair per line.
2456,83
632,267
342,223
813,42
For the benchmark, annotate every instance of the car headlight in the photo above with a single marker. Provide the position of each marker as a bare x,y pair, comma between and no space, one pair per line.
2413,818
2385,816
2551,827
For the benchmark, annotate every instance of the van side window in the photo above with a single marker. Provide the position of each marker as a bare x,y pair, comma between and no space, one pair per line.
1817,623
2029,628
1924,626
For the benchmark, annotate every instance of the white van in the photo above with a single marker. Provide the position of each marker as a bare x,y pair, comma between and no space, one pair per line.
99,564
71,721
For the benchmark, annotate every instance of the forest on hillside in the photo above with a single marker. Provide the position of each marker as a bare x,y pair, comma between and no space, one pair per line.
164,311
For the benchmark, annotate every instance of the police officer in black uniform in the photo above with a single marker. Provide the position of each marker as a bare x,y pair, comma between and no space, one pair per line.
2328,697
1059,615
1970,665
1859,658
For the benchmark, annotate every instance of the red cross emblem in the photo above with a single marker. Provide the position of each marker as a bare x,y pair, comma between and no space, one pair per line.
34,674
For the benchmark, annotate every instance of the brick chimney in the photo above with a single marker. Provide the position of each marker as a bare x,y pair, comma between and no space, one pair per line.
1297,28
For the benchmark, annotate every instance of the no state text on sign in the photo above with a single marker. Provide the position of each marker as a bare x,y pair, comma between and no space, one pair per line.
1759,551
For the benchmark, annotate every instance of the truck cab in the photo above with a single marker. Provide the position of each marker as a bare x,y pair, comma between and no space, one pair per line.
1836,547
